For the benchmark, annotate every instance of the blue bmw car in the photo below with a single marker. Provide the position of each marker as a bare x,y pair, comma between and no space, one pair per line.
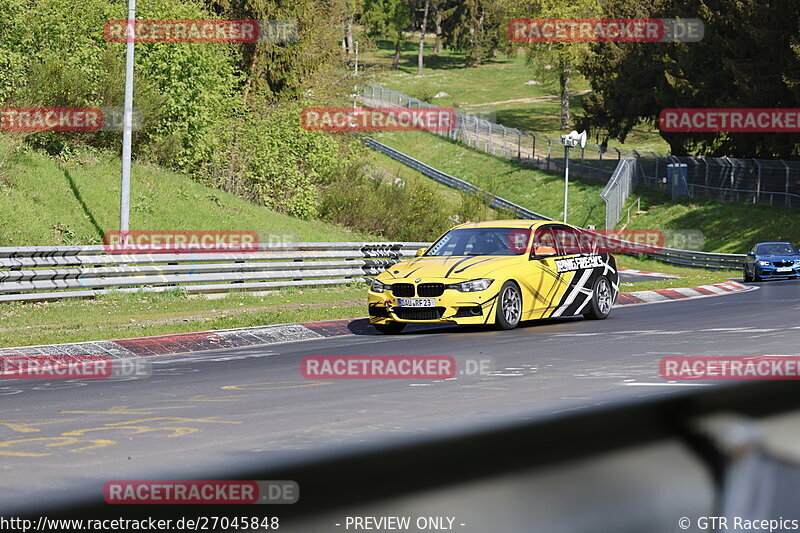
769,260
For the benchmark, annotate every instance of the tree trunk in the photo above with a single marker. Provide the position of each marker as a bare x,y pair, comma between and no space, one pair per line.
396,60
422,37
349,33
437,48
564,74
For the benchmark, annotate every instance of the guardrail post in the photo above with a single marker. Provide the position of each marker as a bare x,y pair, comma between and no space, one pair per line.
549,147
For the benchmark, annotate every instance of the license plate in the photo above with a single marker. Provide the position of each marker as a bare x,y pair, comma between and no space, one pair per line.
416,302
785,269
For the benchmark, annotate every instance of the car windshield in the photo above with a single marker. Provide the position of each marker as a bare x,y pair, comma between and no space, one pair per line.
482,241
776,248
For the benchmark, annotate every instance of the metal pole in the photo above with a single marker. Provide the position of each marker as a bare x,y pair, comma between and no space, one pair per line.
127,120
786,190
566,179
355,76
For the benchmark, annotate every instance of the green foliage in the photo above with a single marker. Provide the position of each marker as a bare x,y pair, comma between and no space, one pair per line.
475,26
744,60
46,202
228,114
388,19
394,210
265,155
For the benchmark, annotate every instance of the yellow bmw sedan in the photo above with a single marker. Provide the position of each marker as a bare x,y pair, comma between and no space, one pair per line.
496,273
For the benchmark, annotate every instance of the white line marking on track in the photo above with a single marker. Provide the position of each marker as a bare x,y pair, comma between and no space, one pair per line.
637,384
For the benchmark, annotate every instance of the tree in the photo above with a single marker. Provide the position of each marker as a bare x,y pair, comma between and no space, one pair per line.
744,60
352,9
422,27
474,26
556,59
290,69
388,19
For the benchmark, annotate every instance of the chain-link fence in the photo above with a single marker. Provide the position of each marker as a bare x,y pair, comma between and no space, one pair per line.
540,151
618,189
770,182
757,181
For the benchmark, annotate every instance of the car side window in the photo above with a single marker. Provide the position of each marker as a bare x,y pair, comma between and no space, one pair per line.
544,237
569,240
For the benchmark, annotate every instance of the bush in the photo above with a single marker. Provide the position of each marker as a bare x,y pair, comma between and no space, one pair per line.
264,154
394,210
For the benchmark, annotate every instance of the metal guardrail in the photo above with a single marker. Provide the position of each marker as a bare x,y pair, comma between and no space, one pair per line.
54,272
689,258
453,182
529,149
770,182
671,256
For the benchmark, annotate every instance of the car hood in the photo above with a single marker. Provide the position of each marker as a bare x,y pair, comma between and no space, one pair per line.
784,257
456,267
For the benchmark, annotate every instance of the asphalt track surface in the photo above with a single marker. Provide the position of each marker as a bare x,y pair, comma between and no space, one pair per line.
200,414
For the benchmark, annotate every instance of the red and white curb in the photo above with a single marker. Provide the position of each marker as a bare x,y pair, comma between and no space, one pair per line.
198,342
666,295
635,272
182,343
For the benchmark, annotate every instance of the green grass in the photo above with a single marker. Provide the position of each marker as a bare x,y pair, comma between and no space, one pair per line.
537,190
46,202
449,199
727,227
498,87
689,277
117,316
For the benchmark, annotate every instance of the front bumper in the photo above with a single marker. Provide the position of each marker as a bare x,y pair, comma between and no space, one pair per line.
771,271
452,307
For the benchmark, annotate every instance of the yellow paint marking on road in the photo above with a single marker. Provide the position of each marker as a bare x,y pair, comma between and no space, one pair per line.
27,426
177,431
125,410
139,426
59,441
280,385
204,398
207,420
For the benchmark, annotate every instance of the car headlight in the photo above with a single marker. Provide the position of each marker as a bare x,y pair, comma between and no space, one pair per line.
764,263
472,285
377,286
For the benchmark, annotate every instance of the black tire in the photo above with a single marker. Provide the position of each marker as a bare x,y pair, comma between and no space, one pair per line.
390,328
747,277
509,306
756,277
602,299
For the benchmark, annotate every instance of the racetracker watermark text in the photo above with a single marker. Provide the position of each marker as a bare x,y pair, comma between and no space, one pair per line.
201,492
743,120
765,367
620,30
149,242
393,367
65,119
71,367
436,119
201,31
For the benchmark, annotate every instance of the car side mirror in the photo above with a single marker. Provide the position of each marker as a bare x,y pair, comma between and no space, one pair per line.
751,254
540,252
421,251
